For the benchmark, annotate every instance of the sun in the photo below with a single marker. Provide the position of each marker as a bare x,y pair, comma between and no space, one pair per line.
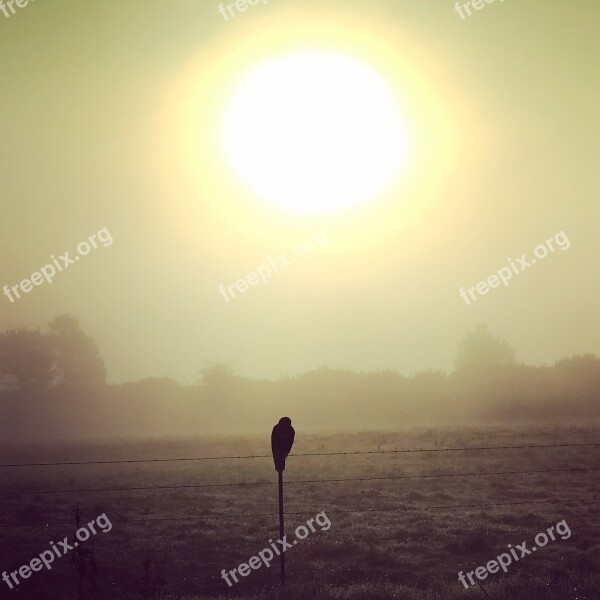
314,132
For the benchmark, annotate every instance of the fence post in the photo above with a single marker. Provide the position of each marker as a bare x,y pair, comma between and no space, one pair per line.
281,527
77,557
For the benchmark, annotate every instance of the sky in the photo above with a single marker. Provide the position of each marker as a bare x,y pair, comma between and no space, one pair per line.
111,119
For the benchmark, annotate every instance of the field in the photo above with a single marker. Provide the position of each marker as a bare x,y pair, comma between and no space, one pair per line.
405,537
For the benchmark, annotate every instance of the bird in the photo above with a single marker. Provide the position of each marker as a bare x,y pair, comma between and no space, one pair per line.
282,440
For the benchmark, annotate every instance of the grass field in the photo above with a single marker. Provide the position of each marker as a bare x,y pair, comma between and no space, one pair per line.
396,538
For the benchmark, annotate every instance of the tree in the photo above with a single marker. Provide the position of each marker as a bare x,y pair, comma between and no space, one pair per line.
218,380
78,360
480,350
26,357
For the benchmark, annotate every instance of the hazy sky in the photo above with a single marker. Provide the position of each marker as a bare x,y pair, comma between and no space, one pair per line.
110,116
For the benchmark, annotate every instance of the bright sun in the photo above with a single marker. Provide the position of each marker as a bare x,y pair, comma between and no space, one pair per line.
314,132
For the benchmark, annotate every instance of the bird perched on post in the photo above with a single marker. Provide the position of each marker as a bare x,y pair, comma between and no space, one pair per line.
282,440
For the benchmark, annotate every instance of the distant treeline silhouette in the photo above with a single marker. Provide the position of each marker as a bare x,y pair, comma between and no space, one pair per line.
54,387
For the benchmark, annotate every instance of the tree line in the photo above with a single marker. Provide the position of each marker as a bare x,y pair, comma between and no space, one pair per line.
54,386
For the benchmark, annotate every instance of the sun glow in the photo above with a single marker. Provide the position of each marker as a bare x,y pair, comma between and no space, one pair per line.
314,132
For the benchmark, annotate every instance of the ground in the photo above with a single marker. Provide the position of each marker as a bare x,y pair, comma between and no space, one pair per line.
404,538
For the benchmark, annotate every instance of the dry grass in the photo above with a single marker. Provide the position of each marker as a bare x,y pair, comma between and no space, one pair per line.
405,553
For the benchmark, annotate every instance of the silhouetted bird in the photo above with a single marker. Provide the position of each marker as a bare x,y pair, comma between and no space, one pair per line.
282,440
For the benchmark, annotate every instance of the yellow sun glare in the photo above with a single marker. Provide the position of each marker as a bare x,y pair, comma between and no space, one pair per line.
314,132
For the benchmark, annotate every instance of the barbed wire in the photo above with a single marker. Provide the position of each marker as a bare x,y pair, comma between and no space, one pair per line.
207,568
254,456
298,481
310,511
